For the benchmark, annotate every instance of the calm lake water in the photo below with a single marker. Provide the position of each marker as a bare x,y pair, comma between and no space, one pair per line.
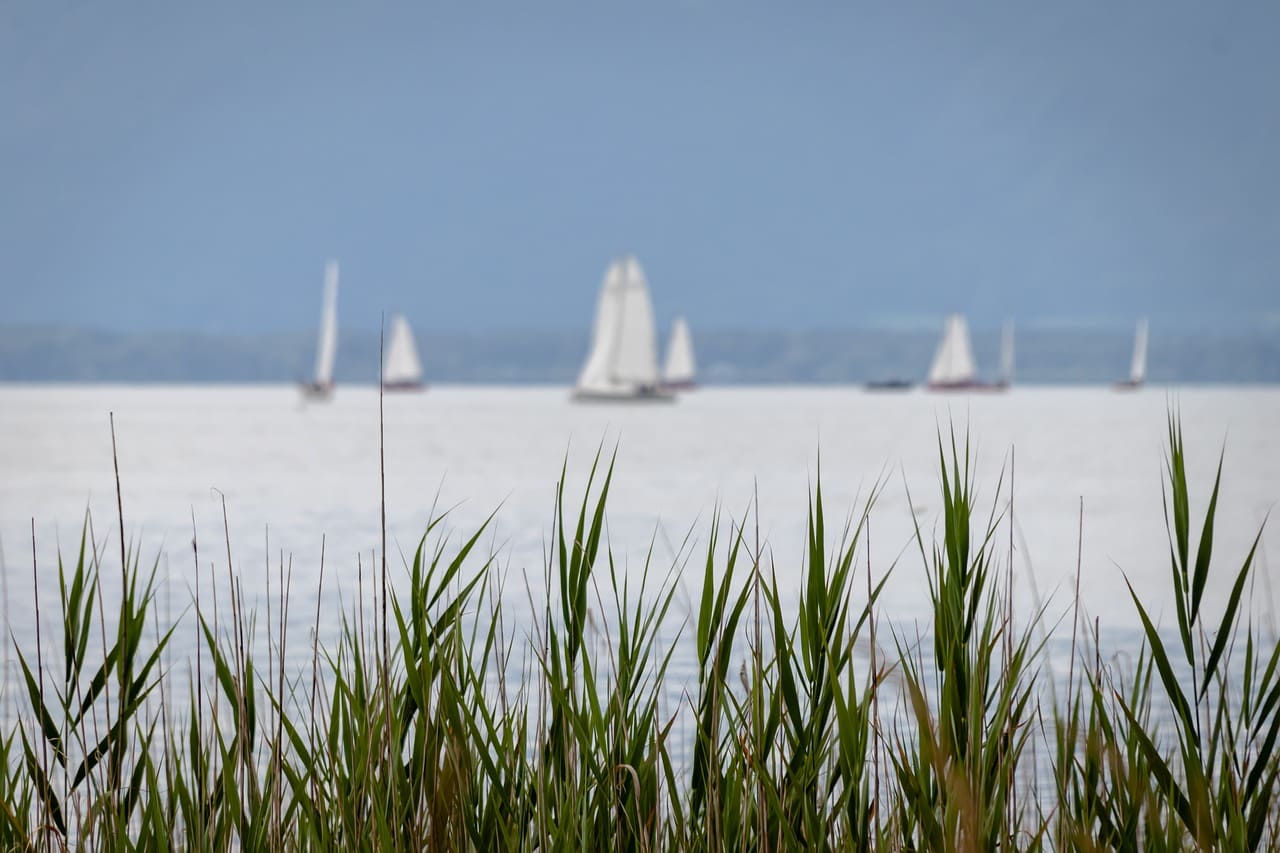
292,473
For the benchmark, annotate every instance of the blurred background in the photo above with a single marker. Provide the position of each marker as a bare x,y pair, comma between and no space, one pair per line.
231,193
812,188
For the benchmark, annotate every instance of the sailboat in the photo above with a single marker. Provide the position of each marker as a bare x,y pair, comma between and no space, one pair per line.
401,368
321,385
680,368
1006,355
953,367
892,384
1138,368
623,362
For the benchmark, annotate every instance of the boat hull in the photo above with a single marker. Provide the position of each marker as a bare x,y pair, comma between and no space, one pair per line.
316,390
687,385
972,385
404,386
1127,385
890,385
642,394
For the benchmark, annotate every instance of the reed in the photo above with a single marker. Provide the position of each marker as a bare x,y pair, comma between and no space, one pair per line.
1213,784
466,712
971,706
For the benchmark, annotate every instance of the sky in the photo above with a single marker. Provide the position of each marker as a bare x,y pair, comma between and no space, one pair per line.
191,166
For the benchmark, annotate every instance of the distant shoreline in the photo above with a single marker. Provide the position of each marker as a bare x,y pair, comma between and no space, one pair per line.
726,357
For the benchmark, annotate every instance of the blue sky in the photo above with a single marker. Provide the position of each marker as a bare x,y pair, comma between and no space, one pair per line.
476,165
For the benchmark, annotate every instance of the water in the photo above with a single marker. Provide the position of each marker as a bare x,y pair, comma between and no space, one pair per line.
292,473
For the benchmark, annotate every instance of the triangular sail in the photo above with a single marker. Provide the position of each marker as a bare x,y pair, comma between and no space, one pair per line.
604,333
635,352
623,361
402,365
327,344
953,362
680,365
1006,353
1138,370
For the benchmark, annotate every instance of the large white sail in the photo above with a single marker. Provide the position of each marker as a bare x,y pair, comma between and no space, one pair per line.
1138,370
327,344
596,371
401,366
953,363
623,362
680,367
1006,354
635,354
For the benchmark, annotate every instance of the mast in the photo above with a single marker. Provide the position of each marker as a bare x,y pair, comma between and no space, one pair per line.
327,343
1138,369
1006,353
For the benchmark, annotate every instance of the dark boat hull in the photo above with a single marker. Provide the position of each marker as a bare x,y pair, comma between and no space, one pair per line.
968,386
647,394
316,390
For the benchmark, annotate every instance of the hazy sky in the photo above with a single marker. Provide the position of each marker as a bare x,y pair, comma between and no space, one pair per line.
476,165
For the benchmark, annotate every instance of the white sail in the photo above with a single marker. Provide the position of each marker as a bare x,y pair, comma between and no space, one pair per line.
1138,370
635,354
1006,354
596,371
623,362
953,362
327,344
680,366
401,366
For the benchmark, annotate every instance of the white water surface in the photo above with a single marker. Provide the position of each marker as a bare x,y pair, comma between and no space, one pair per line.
292,473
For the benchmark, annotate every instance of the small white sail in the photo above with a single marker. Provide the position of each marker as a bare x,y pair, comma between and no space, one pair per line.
596,371
327,344
680,367
401,366
1138,370
953,363
1006,354
635,355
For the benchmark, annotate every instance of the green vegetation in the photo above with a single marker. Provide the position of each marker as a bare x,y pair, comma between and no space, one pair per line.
809,722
